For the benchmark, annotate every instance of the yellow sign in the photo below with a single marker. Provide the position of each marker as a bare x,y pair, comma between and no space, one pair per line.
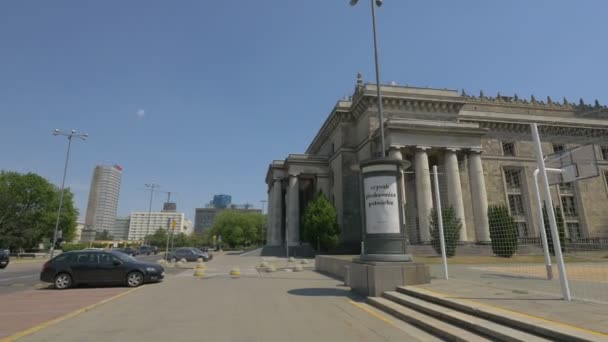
173,224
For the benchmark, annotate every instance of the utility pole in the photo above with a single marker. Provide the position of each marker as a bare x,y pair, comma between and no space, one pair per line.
152,187
70,135
263,203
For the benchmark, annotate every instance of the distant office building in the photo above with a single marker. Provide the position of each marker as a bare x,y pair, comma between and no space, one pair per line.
103,199
221,201
78,233
169,206
205,217
87,235
139,227
120,231
188,227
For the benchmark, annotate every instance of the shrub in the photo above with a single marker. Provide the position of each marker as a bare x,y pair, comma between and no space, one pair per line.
68,247
319,224
451,230
559,219
503,231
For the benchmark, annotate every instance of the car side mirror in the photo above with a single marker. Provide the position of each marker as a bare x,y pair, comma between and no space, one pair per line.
116,263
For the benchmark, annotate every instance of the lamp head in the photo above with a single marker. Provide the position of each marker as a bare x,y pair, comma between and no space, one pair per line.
56,131
379,3
73,131
353,2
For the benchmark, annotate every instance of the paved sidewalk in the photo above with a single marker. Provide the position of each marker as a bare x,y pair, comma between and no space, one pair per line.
505,295
280,306
26,309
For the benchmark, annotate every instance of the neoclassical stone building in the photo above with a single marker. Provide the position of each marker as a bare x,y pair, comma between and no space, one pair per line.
481,144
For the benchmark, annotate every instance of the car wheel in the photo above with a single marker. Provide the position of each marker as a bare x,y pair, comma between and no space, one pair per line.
135,279
63,281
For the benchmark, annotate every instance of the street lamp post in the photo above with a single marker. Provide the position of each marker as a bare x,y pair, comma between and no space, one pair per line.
70,135
377,65
152,187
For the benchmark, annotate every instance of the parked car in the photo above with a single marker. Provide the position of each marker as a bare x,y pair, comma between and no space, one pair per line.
147,250
4,258
190,254
99,267
127,250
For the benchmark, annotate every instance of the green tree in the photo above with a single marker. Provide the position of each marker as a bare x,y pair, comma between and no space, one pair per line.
159,238
319,225
238,228
28,211
451,230
559,219
103,236
503,231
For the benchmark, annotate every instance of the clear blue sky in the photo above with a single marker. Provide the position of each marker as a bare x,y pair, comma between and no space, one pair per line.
199,96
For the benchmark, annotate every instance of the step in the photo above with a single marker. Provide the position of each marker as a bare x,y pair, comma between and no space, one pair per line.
424,322
496,331
541,327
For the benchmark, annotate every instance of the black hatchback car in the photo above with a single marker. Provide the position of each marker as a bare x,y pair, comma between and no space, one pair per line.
99,267
4,258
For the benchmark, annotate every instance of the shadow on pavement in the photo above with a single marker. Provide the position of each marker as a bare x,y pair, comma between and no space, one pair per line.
322,292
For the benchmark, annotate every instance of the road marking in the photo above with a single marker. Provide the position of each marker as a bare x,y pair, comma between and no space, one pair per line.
21,277
441,294
59,319
370,312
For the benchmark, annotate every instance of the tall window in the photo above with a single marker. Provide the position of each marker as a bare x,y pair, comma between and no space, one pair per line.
604,149
574,230
516,204
569,206
508,148
512,178
515,199
557,148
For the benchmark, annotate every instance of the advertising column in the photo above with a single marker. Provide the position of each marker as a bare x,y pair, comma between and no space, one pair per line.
385,234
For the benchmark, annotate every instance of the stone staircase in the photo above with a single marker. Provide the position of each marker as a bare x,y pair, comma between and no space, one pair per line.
460,320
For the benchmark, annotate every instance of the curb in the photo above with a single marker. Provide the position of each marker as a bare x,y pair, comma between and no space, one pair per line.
64,317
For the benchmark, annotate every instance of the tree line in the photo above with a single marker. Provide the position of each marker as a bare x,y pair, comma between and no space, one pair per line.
28,211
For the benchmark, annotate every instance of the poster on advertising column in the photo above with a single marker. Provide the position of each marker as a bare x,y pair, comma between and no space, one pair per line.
381,205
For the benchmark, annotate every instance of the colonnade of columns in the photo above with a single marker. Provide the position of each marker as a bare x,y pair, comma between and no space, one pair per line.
424,196
424,193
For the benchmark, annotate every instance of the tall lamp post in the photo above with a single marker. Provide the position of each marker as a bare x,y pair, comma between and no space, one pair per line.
152,187
379,95
70,135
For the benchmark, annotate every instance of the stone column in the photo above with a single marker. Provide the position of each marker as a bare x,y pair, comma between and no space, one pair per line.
274,214
394,152
293,211
270,217
452,174
479,197
424,196
322,185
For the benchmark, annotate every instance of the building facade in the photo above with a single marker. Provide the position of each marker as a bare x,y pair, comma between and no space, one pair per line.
120,231
481,144
140,226
103,198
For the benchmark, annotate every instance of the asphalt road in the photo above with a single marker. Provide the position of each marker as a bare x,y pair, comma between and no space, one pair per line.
21,276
